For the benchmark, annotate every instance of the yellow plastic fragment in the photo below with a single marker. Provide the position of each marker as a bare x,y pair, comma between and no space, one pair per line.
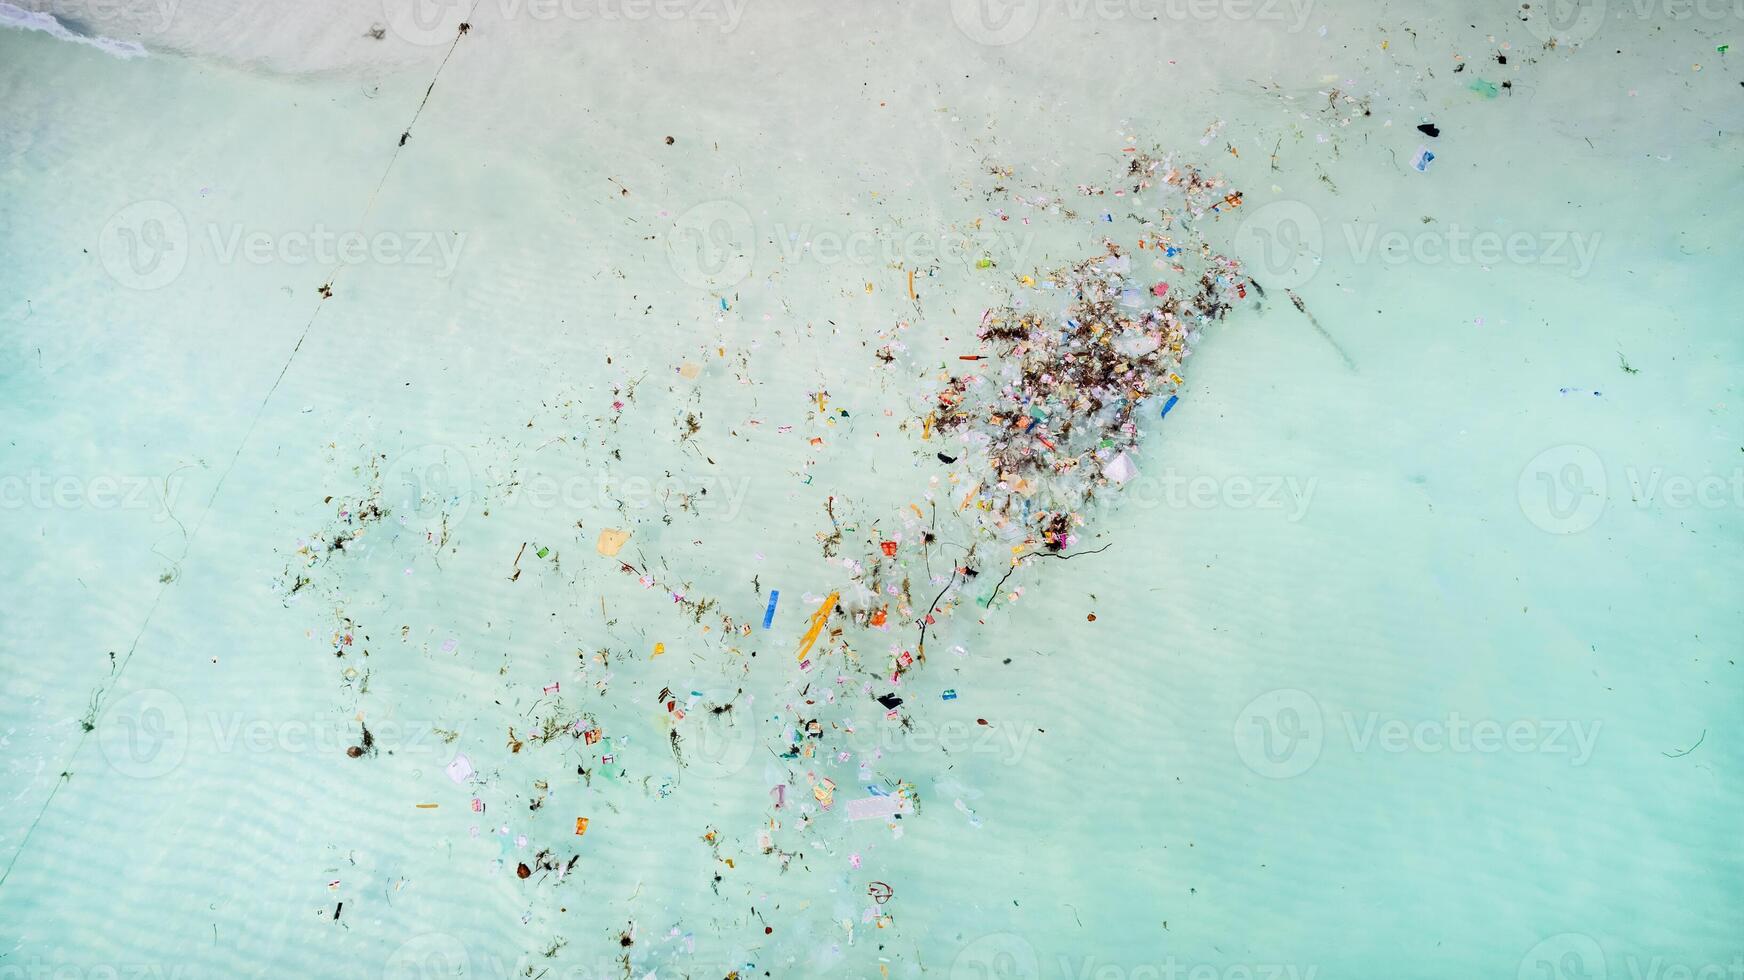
818,619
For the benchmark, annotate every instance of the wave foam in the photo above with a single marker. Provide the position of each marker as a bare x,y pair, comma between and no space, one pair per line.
30,20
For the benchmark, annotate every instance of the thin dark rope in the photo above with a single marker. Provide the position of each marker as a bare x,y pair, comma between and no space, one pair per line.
260,410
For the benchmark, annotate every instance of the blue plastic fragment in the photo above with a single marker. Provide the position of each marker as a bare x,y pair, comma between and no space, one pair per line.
1168,405
769,614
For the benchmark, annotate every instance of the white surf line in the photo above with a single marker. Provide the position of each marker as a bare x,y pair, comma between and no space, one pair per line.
188,543
30,20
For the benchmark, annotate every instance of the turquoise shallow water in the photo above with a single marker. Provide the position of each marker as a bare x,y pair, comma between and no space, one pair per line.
1400,646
